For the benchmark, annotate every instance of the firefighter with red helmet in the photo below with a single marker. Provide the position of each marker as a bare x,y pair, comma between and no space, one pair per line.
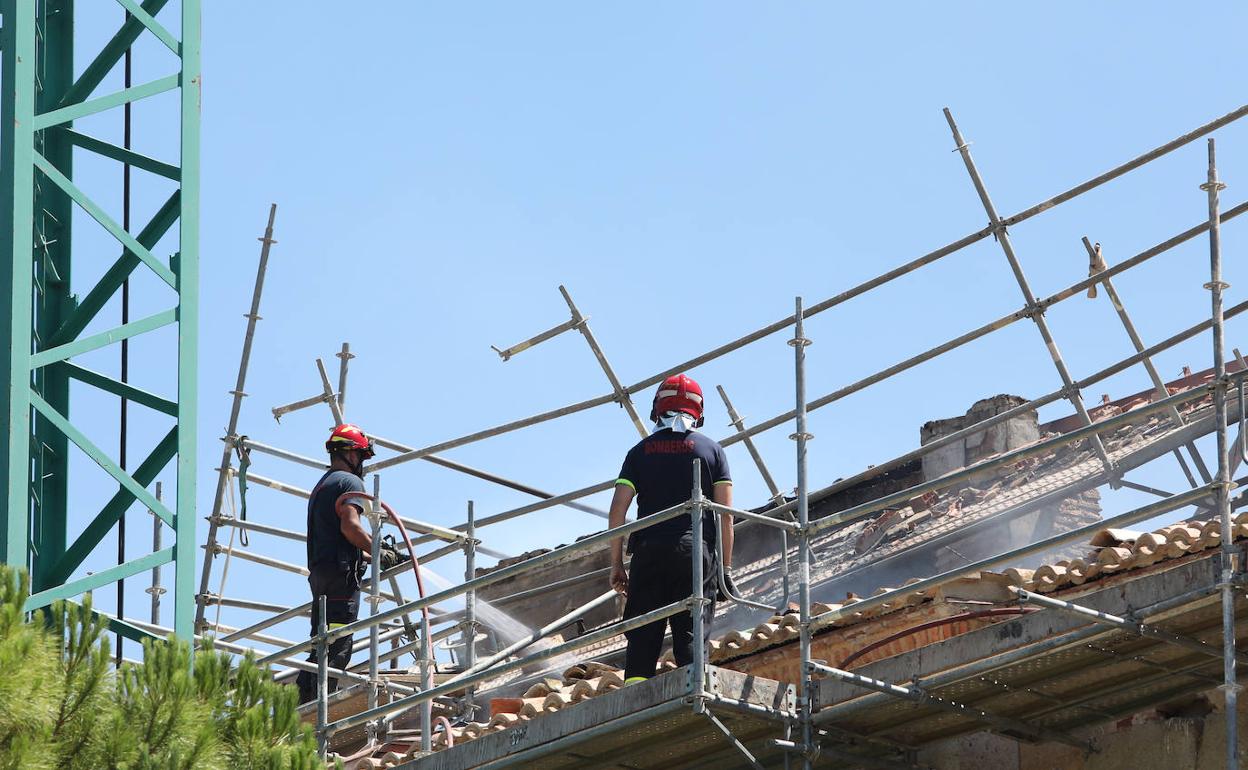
338,547
658,473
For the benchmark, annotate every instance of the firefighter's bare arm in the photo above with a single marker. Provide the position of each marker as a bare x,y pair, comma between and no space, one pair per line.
722,494
352,529
615,518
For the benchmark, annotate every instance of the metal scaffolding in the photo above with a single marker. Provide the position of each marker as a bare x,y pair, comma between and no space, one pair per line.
794,724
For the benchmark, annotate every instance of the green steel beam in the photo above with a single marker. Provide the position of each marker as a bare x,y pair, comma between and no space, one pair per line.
103,522
108,57
121,155
116,99
53,222
17,181
39,100
103,339
188,324
98,579
107,222
101,459
115,276
127,630
153,26
123,389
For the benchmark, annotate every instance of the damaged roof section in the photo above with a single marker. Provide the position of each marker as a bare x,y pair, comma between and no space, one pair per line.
934,532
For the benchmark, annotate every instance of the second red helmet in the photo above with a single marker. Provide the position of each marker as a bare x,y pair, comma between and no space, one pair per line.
348,436
678,393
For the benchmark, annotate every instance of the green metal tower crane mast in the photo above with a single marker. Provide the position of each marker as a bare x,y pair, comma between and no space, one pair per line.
45,326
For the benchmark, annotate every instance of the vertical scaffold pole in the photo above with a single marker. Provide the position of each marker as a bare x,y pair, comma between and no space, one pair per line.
374,598
236,406
426,683
805,684
470,605
322,679
1216,286
156,588
697,679
344,356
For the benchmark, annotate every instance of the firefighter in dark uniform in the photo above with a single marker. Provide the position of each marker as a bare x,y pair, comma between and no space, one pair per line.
658,472
339,547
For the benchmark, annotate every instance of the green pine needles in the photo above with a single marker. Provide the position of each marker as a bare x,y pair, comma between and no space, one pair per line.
63,706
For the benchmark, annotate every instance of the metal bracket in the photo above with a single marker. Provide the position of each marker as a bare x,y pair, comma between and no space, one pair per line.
1032,311
713,685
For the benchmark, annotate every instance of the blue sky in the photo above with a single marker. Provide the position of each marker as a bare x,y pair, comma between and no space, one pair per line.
685,170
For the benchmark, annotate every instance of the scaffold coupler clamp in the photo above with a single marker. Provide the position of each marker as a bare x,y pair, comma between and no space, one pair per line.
1033,310
1115,475
916,685
698,703
1070,392
1232,570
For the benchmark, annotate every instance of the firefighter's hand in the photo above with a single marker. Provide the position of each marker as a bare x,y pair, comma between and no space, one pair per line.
619,578
388,553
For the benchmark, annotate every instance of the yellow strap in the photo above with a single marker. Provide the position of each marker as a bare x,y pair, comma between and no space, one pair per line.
627,483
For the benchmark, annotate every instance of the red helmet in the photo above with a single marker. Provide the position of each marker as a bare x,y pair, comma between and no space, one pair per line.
678,393
347,436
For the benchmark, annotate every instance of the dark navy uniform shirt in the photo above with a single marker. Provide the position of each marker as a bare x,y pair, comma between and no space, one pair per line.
660,469
328,548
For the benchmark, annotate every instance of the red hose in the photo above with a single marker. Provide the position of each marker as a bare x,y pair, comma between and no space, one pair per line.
994,612
446,730
411,550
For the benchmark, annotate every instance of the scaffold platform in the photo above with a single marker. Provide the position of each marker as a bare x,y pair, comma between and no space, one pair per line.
652,724
1046,675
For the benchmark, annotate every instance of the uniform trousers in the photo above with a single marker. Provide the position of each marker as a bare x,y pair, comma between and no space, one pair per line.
661,572
341,589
